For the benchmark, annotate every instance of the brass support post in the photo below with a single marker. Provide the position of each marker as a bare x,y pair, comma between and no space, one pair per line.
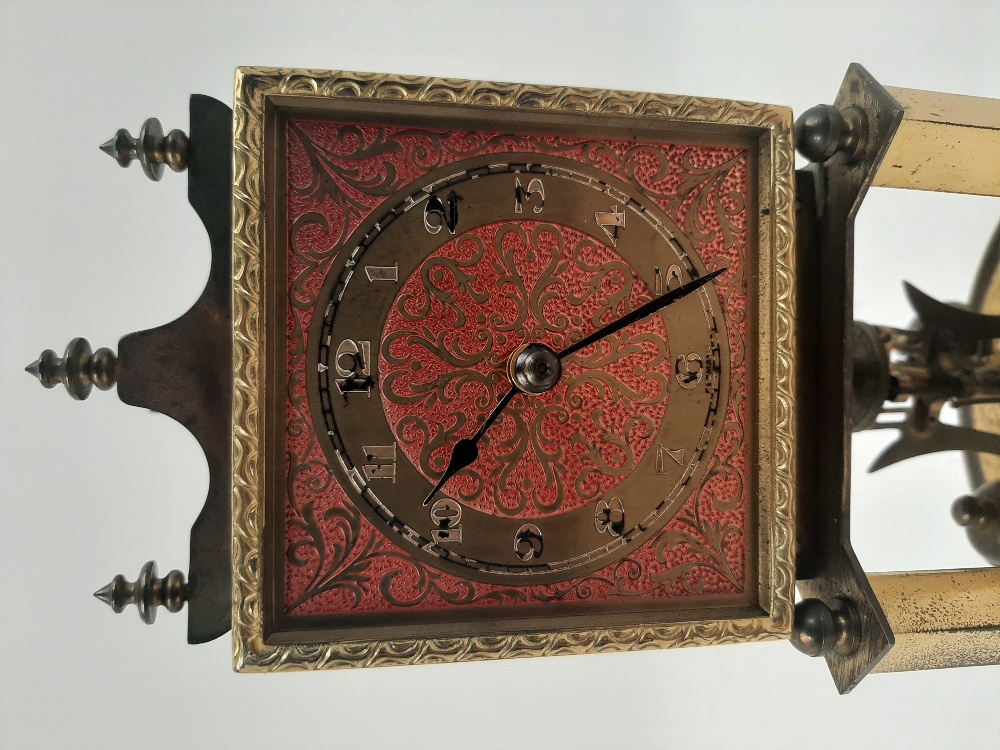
946,618
946,143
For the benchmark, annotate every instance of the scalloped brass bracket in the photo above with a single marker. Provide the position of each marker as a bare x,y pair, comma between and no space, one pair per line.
181,369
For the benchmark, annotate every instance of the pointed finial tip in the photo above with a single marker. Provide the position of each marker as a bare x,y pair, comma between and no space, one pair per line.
109,148
106,593
46,368
121,147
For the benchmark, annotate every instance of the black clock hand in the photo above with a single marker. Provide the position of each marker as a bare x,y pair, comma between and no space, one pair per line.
654,305
466,451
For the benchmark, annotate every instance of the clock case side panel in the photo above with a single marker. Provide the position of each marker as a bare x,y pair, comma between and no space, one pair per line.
248,382
257,92
775,389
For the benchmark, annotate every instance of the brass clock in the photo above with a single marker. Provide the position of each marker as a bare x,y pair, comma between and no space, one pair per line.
513,370
521,370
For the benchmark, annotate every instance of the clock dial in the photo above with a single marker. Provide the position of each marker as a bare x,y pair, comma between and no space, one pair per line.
423,267
442,287
513,370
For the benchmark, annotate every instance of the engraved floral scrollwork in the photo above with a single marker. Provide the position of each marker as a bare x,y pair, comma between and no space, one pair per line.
346,567
773,403
456,321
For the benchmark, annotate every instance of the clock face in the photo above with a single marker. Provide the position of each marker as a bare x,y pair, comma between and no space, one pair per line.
513,370
417,262
420,320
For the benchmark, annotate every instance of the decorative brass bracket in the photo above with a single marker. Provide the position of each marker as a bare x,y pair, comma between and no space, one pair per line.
861,623
182,369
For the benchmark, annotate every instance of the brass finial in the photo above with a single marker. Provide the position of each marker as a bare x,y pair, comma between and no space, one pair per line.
79,369
151,148
979,513
824,130
821,627
147,593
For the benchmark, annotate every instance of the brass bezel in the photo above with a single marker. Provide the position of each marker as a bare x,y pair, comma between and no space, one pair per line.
772,401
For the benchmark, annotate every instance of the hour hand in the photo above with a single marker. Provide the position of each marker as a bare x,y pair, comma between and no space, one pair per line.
466,451
463,454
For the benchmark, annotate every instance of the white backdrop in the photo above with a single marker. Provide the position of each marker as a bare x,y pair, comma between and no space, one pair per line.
95,488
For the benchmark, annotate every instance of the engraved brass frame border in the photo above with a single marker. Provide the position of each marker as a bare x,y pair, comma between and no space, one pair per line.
772,451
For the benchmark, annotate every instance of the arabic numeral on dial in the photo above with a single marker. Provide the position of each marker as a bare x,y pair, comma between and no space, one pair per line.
610,517
689,369
611,222
667,281
528,543
446,515
353,358
665,454
441,213
528,194
382,273
385,456
352,364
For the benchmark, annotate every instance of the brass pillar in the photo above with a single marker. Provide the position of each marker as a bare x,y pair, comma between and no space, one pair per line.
945,143
945,618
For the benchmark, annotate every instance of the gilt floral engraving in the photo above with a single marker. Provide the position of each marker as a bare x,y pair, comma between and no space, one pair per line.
492,289
347,563
360,165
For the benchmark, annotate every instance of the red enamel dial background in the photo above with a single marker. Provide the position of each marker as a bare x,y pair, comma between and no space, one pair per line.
446,343
335,561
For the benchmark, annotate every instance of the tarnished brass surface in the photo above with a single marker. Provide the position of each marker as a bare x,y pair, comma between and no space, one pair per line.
979,513
821,628
919,612
948,618
147,592
257,89
181,369
828,565
151,148
79,369
946,142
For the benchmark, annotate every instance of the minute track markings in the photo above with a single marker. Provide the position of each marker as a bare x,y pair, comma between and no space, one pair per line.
368,238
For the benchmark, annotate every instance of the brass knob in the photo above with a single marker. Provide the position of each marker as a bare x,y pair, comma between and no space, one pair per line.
824,130
979,513
79,369
820,628
147,593
151,148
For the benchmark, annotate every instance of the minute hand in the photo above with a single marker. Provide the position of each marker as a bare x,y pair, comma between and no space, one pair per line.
644,311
